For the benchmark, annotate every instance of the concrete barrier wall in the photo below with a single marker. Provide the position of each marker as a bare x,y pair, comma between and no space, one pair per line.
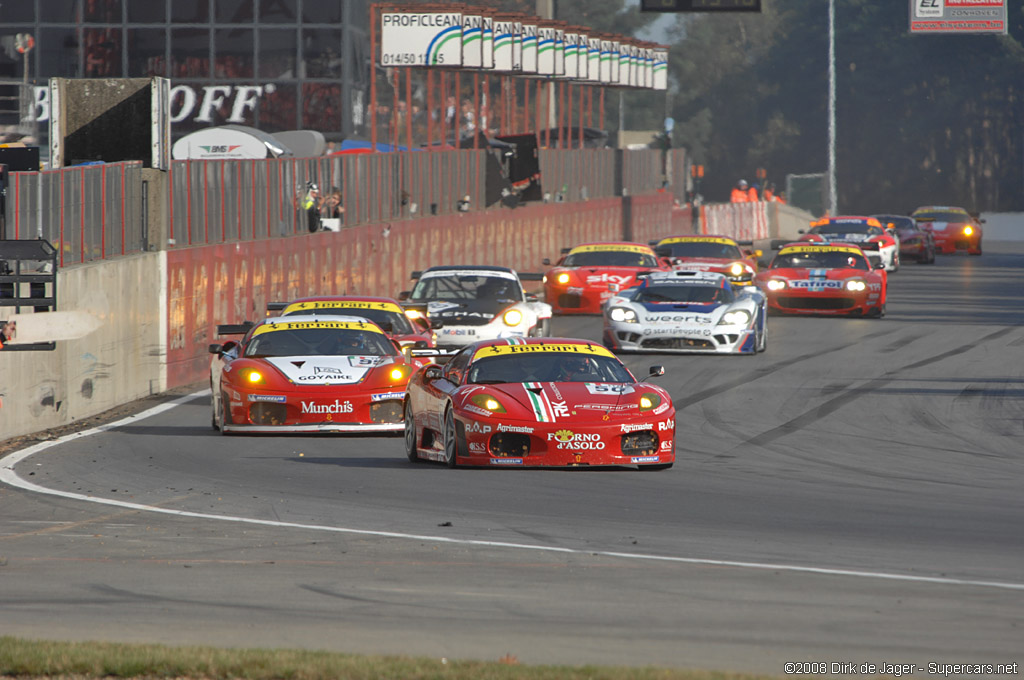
116,364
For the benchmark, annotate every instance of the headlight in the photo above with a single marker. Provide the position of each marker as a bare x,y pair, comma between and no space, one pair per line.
397,373
776,284
252,376
622,314
413,314
737,269
738,316
487,402
649,401
968,231
512,317
562,278
856,285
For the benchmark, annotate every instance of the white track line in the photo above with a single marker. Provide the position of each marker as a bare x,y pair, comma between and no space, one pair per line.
8,476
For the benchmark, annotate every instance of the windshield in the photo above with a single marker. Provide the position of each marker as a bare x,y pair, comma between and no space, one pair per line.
942,216
319,342
548,367
467,287
820,260
684,293
847,228
609,258
725,251
898,221
390,322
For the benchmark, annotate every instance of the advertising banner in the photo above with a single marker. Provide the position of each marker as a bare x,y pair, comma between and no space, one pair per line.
472,41
421,39
958,16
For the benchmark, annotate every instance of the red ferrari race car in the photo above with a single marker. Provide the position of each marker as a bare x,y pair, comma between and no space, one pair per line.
867,232
829,279
954,229
586,276
308,373
719,254
916,244
385,312
538,402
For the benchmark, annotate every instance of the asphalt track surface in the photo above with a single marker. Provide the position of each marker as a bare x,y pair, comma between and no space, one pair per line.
852,495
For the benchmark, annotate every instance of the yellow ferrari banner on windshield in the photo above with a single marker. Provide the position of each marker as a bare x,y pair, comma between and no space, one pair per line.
698,239
505,350
307,325
340,304
819,249
611,247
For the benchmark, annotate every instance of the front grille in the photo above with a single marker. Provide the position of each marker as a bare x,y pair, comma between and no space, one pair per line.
626,336
816,303
677,343
961,245
511,444
458,320
726,338
643,443
263,413
570,301
386,411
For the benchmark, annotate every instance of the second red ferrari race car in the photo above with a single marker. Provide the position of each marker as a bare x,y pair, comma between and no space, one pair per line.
709,253
538,402
586,276
867,232
308,373
826,279
954,228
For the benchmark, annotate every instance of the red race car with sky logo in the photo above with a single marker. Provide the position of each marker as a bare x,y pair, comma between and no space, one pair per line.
586,276
538,402
308,373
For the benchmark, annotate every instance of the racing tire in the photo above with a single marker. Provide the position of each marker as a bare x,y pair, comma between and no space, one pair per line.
655,468
762,342
542,329
451,440
213,410
977,253
410,435
877,312
225,415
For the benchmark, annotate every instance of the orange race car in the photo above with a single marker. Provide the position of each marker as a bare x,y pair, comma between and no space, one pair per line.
586,276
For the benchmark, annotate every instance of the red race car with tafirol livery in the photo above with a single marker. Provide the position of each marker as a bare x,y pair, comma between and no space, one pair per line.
586,276
824,279
308,374
710,253
529,402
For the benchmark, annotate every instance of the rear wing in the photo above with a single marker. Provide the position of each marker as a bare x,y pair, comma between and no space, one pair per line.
234,328
276,306
531,276
28,278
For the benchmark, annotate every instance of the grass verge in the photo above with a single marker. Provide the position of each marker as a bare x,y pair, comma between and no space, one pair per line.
95,660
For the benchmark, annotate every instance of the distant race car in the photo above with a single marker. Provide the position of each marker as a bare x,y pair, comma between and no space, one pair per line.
710,254
686,311
308,373
538,402
385,312
866,232
916,244
954,228
827,279
586,276
464,304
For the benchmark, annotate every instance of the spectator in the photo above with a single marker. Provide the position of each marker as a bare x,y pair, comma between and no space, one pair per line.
332,207
463,204
311,206
8,330
754,193
741,192
769,192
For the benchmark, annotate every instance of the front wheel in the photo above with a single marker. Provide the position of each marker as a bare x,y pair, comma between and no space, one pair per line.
410,435
542,329
451,444
223,415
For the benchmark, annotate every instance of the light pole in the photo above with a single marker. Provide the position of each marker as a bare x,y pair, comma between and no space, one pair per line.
831,107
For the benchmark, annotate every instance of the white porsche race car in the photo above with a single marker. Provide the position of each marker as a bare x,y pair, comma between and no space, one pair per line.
464,304
686,311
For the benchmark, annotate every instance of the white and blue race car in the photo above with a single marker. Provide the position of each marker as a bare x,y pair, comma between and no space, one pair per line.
686,311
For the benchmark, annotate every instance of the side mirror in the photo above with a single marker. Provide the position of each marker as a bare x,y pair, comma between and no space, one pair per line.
546,261
656,371
432,372
420,344
404,295
530,297
214,348
801,231
878,265
436,323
